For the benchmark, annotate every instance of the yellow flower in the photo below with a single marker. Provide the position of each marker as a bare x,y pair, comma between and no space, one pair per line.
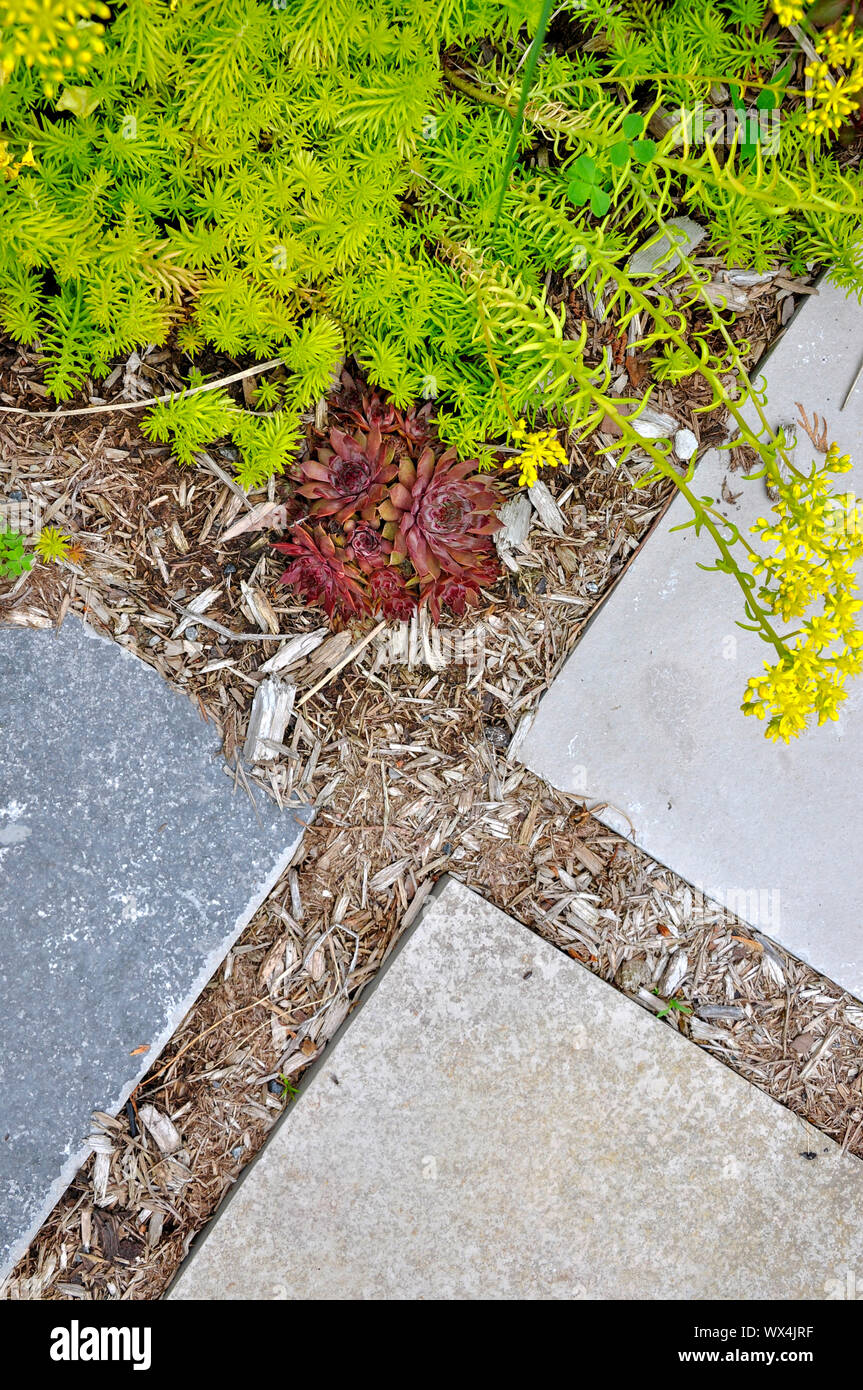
818,539
789,11
835,462
9,167
835,98
542,449
57,37
842,46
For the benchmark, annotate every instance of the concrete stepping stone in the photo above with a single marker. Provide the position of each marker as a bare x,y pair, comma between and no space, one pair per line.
644,719
496,1122
128,866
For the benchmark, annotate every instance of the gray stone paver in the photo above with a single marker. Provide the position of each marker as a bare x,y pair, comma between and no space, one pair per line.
496,1122
644,719
127,868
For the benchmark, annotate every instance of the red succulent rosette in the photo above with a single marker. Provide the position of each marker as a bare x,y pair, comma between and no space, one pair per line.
350,477
458,592
412,425
390,595
396,521
367,546
441,513
321,575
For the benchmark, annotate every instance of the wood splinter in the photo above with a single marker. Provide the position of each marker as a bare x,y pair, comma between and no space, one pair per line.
272,707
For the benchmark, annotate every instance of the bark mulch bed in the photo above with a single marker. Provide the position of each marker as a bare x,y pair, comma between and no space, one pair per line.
412,771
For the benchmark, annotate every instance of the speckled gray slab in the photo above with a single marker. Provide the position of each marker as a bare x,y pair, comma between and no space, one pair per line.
127,868
645,717
496,1122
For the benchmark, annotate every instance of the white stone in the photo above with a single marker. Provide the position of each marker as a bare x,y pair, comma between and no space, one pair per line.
685,444
657,255
497,1123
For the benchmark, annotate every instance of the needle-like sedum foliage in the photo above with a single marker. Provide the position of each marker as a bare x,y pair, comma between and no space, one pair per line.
303,176
401,180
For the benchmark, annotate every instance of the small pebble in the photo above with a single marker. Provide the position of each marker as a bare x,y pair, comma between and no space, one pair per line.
191,633
16,496
498,735
685,444
153,641
229,569
633,975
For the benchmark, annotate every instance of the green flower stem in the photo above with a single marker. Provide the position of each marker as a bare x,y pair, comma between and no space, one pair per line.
605,405
483,94
703,515
712,377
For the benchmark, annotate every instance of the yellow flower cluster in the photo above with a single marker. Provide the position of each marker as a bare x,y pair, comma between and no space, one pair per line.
541,449
835,98
60,38
11,168
818,536
789,11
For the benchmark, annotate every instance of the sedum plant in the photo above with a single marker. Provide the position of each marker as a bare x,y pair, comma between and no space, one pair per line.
313,179
304,178
51,546
817,537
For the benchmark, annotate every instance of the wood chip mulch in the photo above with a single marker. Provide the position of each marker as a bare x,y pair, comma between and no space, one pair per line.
413,773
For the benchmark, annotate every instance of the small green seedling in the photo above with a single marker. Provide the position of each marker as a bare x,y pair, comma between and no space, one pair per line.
633,145
14,559
673,1004
585,185
287,1089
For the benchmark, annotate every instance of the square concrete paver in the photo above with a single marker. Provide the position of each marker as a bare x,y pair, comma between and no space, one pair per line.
496,1122
645,721
128,866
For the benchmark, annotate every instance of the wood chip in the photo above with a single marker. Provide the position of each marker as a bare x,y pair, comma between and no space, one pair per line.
271,709
294,650
546,508
516,515
161,1127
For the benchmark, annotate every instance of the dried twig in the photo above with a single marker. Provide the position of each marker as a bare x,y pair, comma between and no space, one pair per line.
817,432
124,406
223,631
345,661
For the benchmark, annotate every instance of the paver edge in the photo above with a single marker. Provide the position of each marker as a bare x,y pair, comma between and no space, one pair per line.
199,1239
211,963
365,995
